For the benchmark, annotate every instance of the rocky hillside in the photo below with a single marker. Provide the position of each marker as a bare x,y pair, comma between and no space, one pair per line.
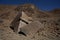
40,25
55,12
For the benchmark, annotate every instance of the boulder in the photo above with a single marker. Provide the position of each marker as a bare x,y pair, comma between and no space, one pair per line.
30,29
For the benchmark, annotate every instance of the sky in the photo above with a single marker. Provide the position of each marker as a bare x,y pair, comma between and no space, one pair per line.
41,4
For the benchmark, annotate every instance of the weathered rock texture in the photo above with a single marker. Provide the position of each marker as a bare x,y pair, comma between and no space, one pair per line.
32,28
10,15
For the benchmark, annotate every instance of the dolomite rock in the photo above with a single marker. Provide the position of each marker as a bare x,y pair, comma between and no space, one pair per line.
25,20
30,29
7,34
10,18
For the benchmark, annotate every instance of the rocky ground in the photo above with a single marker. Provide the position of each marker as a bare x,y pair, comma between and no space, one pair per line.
50,21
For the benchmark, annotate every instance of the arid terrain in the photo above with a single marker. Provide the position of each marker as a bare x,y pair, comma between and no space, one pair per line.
27,22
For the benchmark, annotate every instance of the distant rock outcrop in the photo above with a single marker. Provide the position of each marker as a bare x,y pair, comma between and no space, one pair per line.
55,12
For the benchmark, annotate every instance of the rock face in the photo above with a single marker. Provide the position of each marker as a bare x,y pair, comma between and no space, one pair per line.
26,19
7,34
31,24
30,29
